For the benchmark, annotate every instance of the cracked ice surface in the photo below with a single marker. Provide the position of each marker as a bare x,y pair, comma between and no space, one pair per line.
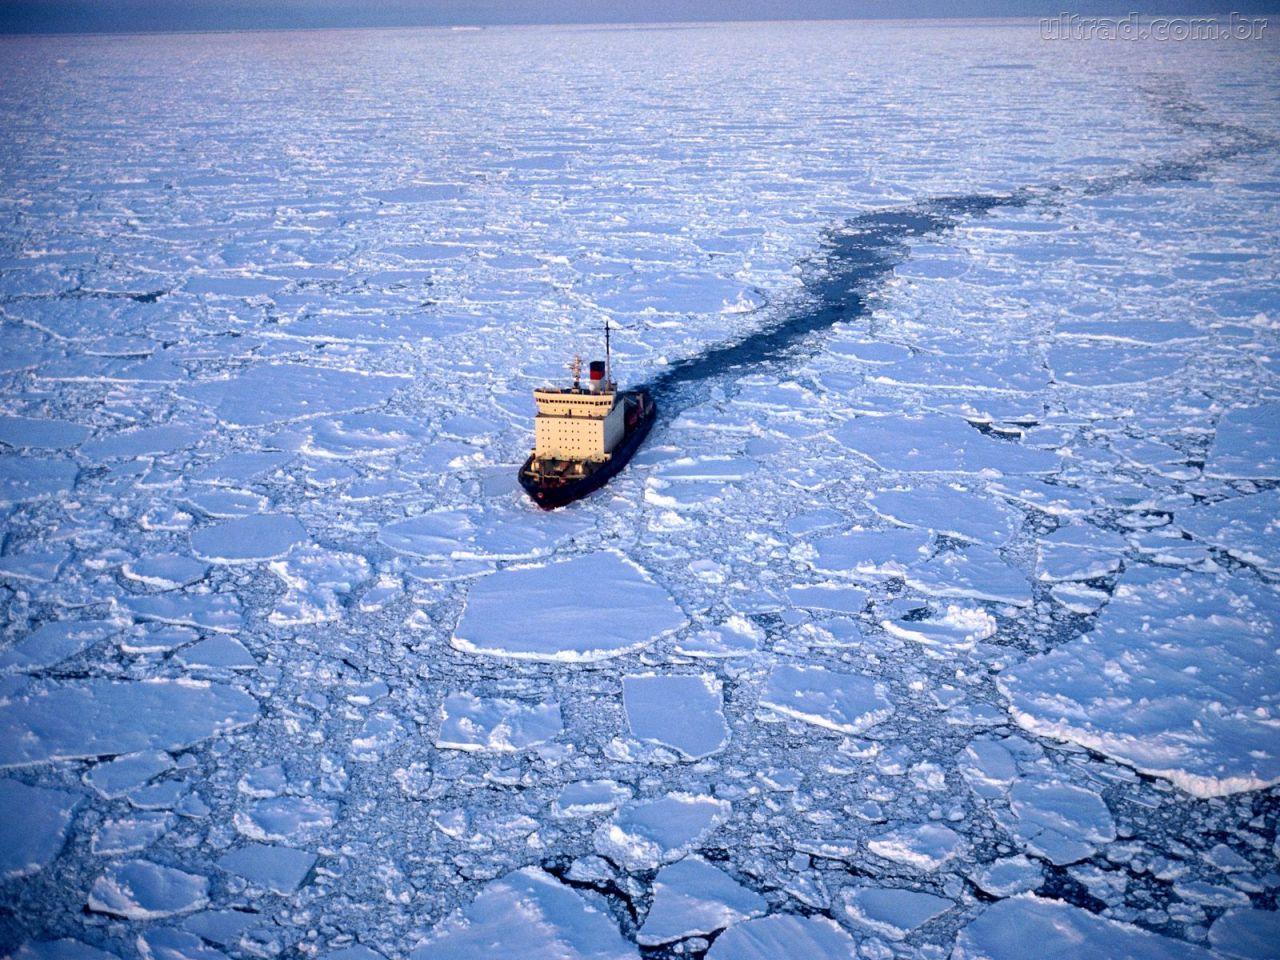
945,589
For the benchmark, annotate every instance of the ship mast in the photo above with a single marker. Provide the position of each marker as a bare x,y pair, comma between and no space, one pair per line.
608,357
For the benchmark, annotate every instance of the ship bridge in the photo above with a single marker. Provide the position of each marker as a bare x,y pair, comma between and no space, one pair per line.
577,424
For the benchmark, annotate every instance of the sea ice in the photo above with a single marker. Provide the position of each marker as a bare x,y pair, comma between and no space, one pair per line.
33,826
31,478
844,702
1004,878
784,935
142,890
1177,680
288,818
115,778
692,897
60,950
936,443
169,943
555,612
959,628
949,510
262,536
130,834
892,912
1248,934
554,923
1247,444
886,553
94,718
1060,931
645,834
468,722
165,571
277,392
55,641
278,869
684,712
35,433
1248,528
1061,822
976,572
924,846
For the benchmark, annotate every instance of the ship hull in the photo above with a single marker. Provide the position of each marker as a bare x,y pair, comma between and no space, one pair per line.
550,494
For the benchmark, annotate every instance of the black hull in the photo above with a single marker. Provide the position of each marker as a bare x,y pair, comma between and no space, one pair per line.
549,496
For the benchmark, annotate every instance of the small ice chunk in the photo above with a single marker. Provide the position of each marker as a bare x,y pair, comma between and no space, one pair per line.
892,912
357,951
142,890
169,943
258,537
115,778
978,572
218,653
297,819
844,702
647,833
1059,821
165,571
1004,878
130,834
51,643
684,712
208,611
278,869
1247,934
784,935
589,798
586,609
692,897
872,553
924,846
33,826
527,914
960,628
93,718
468,722
827,597
1005,931
736,637
319,580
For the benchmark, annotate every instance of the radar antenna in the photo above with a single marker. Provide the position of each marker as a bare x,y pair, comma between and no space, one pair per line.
575,367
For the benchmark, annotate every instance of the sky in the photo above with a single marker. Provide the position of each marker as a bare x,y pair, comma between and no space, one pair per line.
92,16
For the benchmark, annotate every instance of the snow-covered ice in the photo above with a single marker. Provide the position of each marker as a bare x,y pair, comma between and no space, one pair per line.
683,712
1178,679
468,722
142,890
554,923
556,611
33,826
693,897
848,703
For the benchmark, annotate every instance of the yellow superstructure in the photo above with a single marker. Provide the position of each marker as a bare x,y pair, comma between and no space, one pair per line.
577,424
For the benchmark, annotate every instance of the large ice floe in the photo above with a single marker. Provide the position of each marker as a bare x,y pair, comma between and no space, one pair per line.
1179,679
589,608
936,617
